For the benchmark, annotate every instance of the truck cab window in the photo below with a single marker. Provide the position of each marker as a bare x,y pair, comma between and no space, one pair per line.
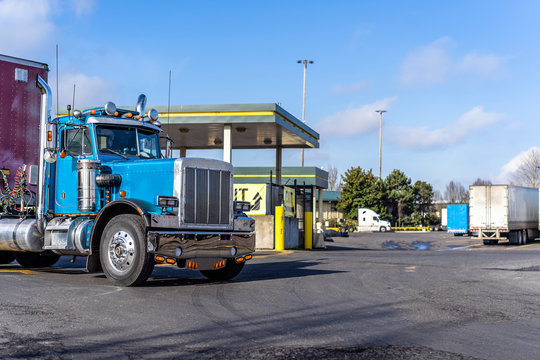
149,145
117,140
77,142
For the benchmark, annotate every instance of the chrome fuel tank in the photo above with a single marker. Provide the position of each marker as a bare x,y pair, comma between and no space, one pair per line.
20,234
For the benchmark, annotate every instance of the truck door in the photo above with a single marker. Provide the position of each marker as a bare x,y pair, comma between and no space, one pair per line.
77,144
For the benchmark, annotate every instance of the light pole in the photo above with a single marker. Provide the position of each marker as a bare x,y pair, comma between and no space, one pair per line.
305,62
380,141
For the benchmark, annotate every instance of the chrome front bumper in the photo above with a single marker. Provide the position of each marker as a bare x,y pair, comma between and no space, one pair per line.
200,244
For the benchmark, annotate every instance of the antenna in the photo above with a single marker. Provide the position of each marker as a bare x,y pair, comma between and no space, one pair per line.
73,102
169,101
57,80
169,115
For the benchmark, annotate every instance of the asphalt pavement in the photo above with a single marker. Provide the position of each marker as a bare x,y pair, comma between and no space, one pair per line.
369,296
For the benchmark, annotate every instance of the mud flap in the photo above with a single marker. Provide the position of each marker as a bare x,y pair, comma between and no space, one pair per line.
93,264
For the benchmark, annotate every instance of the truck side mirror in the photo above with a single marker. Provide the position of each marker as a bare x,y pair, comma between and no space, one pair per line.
32,175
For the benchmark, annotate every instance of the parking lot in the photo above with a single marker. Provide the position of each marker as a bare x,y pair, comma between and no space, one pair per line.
368,296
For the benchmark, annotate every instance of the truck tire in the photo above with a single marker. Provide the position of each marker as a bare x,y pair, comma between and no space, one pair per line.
123,253
35,260
231,269
6,257
382,229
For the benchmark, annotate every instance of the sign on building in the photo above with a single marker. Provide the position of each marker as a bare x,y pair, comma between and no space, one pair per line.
258,196
255,194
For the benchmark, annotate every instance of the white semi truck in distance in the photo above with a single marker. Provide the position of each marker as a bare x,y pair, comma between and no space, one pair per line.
369,220
503,212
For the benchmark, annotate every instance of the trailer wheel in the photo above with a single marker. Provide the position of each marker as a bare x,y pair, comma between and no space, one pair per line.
123,253
525,237
519,235
231,269
382,229
6,257
35,260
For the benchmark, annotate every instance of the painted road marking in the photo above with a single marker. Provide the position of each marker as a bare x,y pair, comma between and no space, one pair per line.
462,247
410,268
22,271
519,247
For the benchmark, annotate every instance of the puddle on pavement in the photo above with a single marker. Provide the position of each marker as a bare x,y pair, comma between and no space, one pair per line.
422,246
417,246
392,246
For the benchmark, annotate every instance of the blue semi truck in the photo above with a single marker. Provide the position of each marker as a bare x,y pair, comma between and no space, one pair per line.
103,189
457,218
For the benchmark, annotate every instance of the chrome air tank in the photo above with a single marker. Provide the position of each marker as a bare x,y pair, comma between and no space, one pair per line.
20,234
86,184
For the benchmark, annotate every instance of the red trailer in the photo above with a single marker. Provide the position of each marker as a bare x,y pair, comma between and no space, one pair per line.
20,102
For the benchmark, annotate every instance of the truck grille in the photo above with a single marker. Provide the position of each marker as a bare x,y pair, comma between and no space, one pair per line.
207,197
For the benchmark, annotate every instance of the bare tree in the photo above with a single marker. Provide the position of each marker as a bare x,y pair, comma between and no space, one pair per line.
455,193
528,172
333,178
482,182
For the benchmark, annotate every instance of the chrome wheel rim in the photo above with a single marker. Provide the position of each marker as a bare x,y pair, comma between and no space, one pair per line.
122,251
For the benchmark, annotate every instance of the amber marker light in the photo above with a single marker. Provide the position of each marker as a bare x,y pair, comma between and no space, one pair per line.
116,113
170,261
129,115
248,257
62,154
160,258
138,117
49,135
122,193
93,112
240,259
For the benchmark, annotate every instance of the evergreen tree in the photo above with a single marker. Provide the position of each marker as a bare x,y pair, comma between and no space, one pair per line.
400,196
361,189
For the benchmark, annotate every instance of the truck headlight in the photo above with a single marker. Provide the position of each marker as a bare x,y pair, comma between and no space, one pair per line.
242,206
167,201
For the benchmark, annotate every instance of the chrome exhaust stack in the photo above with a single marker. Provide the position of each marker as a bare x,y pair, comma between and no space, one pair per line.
141,105
46,104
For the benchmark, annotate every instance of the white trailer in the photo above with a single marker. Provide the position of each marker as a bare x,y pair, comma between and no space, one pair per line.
369,220
444,219
503,212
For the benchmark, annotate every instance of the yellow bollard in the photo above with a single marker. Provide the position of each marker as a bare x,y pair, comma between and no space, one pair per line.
279,230
308,230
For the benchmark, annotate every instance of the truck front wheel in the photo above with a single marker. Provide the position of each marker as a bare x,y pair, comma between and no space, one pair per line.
231,269
123,253
382,229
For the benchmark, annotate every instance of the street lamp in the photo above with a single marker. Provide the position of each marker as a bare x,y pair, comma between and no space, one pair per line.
380,141
305,62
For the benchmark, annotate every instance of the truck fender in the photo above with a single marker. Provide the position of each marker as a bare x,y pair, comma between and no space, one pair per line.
120,206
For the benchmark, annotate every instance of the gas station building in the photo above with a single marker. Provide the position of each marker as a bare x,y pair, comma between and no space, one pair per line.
290,191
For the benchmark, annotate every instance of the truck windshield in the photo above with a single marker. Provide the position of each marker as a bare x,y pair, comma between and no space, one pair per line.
128,141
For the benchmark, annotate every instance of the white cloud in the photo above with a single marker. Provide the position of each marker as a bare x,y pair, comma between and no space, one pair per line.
24,26
90,91
82,7
456,132
512,165
354,121
350,88
428,65
480,64
433,64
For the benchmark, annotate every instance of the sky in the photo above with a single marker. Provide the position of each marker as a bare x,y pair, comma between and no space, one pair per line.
459,79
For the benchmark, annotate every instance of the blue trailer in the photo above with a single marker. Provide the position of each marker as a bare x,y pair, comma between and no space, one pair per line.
458,219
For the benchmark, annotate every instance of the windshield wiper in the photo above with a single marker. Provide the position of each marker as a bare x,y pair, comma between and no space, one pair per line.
115,153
